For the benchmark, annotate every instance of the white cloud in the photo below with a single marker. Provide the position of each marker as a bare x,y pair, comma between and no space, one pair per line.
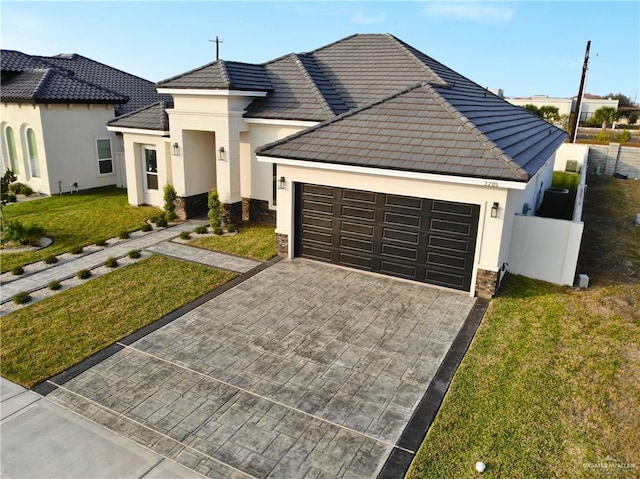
475,12
363,19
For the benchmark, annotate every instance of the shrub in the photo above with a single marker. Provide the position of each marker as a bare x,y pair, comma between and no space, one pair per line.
111,262
124,235
16,231
218,231
161,222
83,274
231,228
77,250
604,136
17,271
154,219
21,298
624,136
185,235
51,259
55,285
146,227
200,230
12,198
101,242
17,188
134,253
27,191
215,213
170,197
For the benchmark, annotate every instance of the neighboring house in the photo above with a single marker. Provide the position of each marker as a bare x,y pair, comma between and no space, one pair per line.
53,116
374,156
590,104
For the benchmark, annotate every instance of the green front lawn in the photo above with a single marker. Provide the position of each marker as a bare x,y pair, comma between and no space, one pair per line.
254,240
75,220
43,339
550,386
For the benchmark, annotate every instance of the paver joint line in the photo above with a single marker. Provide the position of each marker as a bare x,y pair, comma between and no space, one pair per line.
122,416
267,399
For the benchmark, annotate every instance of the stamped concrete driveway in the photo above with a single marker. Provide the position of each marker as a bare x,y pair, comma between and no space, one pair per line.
305,370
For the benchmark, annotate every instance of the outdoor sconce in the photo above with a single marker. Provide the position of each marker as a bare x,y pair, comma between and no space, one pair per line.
494,209
281,183
175,148
221,153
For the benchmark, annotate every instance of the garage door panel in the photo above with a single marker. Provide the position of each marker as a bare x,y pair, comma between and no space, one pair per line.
420,239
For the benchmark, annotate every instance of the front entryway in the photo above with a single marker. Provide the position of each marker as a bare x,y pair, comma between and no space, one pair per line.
150,175
421,239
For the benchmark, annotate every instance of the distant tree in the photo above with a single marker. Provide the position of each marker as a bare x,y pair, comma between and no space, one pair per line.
623,100
565,121
8,178
633,118
550,113
605,115
533,109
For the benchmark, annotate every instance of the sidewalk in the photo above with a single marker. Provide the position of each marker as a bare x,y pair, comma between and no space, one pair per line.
68,269
41,439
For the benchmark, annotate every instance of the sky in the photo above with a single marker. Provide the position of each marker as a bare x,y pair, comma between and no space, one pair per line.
522,47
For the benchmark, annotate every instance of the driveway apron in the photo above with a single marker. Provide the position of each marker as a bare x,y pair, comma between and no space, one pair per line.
304,370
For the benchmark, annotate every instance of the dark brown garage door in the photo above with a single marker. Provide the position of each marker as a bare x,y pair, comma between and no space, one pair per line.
420,239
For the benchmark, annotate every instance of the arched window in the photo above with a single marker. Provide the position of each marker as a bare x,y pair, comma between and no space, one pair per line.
32,147
11,149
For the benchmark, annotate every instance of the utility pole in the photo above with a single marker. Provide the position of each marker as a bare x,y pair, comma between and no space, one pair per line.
583,80
217,41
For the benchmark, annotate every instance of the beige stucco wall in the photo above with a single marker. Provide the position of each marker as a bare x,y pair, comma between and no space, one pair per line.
66,137
490,230
133,152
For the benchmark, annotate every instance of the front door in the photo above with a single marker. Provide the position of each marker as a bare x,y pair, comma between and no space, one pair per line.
150,175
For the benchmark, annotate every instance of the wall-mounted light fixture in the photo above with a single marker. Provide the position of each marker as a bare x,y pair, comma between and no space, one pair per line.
221,153
175,149
281,183
494,209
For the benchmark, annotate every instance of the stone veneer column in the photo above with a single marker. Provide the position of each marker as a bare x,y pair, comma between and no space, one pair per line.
282,244
486,283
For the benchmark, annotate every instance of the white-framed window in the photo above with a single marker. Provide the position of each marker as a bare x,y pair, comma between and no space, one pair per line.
32,149
105,157
151,168
12,155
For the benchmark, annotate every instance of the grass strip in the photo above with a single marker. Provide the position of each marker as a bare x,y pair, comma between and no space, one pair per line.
254,240
43,339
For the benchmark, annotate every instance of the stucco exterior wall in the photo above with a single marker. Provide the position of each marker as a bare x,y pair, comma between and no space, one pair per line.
134,160
490,230
66,139
571,151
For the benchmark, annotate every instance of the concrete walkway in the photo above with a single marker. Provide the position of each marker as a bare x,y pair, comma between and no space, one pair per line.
157,241
44,440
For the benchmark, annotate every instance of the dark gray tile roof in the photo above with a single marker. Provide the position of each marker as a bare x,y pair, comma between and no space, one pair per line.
71,73
417,130
222,75
152,117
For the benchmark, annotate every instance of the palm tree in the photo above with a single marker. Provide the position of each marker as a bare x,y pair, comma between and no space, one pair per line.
605,115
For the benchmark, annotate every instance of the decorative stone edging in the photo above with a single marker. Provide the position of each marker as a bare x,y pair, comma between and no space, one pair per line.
44,242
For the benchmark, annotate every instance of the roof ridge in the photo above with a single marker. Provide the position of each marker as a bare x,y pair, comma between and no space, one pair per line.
403,47
517,170
146,107
224,72
310,80
341,116
201,67
43,81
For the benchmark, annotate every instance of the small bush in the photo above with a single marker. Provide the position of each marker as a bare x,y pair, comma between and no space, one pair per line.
231,228
604,136
12,198
77,250
124,235
51,259
161,222
185,235
27,191
624,136
101,242
154,219
134,253
111,263
217,231
17,188
21,298
30,234
17,271
200,230
170,197
55,285
146,227
83,274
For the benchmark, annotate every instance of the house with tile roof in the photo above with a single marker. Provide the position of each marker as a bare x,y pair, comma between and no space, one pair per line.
366,152
53,117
